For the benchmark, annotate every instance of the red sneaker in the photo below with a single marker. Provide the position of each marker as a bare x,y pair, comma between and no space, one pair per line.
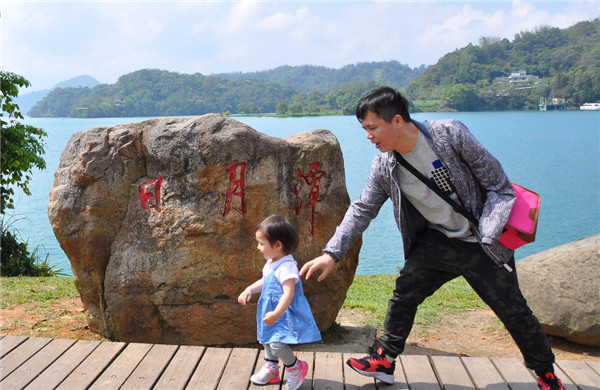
550,382
375,365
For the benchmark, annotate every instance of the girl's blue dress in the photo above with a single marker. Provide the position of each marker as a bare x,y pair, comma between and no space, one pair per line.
297,324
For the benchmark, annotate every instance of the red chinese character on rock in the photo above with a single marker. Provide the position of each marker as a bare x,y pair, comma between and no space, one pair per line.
312,178
149,194
237,178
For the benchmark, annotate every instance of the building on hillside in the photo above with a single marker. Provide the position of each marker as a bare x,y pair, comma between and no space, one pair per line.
520,77
517,79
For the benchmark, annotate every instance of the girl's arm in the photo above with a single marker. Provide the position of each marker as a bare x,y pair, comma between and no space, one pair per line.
254,288
289,288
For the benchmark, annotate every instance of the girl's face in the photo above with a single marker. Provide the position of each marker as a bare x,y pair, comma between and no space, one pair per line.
274,252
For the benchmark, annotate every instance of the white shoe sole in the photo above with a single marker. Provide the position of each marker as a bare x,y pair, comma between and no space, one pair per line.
385,378
259,382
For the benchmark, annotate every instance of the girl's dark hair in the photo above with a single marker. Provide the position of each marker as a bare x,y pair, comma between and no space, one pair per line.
386,102
277,228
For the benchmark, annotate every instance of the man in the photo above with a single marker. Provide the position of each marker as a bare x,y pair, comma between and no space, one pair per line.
440,244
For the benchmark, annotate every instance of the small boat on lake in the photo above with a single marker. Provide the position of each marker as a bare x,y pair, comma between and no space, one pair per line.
590,107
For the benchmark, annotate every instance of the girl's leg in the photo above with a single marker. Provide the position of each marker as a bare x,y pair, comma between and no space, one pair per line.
295,369
270,355
282,352
269,372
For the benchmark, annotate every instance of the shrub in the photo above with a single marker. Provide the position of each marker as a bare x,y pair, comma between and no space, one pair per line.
17,259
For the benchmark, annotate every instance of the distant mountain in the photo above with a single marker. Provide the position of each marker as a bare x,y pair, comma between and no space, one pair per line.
79,81
29,99
309,78
152,92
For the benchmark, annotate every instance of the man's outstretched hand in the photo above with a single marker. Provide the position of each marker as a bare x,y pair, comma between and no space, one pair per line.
323,263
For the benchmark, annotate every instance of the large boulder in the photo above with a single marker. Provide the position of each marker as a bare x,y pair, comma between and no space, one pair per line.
158,220
562,287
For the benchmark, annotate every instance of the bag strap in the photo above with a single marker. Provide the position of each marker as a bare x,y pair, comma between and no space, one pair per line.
456,206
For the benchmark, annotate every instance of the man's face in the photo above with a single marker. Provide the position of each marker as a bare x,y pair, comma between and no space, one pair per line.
381,133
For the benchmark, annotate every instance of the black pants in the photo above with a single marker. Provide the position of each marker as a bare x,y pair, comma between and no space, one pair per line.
436,260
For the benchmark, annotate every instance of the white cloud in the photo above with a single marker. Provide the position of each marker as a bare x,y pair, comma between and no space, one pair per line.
276,21
48,42
242,16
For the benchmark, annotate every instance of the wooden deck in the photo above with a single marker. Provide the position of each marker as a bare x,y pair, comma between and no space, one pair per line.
45,363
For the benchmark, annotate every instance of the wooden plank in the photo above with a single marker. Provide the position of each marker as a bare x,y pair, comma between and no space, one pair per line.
180,368
21,354
451,373
155,362
400,377
8,343
595,366
86,372
581,373
238,369
43,363
515,374
353,379
209,370
419,373
328,373
117,373
27,372
64,365
566,381
484,373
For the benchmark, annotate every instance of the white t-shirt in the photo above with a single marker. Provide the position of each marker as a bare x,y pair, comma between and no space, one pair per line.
438,212
287,270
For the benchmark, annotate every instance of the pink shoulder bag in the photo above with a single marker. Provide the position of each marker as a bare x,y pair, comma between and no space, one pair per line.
522,223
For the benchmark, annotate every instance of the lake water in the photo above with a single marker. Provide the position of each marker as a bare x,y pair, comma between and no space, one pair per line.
553,153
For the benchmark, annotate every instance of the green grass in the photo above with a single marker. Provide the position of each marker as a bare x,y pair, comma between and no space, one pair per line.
372,293
24,290
369,293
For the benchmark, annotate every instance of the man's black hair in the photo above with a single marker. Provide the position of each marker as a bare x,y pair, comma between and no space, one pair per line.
386,102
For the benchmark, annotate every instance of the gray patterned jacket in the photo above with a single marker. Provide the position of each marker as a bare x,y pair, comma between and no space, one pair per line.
478,178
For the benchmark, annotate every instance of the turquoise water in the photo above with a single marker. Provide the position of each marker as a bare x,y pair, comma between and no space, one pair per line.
556,154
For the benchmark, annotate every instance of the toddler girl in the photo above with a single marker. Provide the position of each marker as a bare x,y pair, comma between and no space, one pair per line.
283,314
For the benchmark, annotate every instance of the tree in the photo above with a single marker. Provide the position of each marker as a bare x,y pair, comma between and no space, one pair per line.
22,145
462,97
296,108
281,109
22,150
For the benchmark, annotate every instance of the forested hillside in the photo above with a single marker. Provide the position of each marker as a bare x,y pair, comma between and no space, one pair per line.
558,64
496,74
151,92
309,78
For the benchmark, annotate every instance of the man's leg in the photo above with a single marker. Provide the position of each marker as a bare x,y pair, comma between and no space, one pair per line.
423,273
430,265
415,283
499,289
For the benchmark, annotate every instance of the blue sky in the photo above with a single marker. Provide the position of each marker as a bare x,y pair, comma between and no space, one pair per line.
51,41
